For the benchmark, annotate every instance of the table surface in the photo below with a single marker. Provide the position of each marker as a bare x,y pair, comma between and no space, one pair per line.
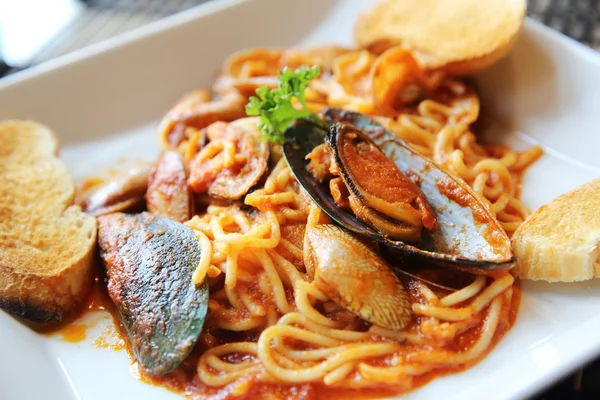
101,19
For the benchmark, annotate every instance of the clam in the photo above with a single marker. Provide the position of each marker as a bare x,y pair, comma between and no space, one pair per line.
466,235
355,277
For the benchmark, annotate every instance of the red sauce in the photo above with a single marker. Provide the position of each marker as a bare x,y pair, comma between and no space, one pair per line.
491,232
111,340
453,191
74,333
184,379
97,300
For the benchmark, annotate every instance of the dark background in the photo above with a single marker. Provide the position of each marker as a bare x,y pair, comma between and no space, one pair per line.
101,19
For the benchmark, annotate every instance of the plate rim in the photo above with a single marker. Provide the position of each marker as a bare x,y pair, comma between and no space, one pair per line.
571,357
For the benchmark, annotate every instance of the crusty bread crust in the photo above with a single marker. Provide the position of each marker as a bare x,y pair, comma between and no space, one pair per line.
460,37
559,242
46,243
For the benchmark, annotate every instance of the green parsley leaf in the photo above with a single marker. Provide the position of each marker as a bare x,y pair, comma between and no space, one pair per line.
275,106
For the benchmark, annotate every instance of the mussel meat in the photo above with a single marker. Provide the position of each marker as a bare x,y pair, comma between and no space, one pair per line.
466,235
380,194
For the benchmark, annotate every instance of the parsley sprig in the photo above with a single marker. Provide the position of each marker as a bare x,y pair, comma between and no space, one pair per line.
275,105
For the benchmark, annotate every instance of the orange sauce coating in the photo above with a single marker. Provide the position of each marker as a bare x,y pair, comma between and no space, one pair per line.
74,333
452,190
380,176
184,379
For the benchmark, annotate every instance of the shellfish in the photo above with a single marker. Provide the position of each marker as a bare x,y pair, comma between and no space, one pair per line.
467,236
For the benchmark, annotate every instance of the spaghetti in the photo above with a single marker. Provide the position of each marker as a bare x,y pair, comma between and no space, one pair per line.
268,325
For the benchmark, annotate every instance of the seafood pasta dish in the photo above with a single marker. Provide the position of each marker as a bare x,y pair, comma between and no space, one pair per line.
346,232
323,265
323,222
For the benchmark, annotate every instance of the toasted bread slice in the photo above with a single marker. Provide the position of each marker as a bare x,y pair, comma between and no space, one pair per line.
460,37
46,243
559,242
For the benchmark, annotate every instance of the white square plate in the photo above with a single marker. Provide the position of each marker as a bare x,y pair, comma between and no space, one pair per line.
105,102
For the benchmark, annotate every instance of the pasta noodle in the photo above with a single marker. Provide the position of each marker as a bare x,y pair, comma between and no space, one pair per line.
286,330
304,343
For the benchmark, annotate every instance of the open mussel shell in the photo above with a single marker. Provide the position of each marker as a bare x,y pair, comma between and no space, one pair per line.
468,238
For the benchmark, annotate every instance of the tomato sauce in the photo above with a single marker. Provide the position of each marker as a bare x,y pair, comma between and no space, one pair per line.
184,379
74,333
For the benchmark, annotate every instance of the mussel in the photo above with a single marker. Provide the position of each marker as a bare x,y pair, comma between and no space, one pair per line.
149,263
379,193
465,234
